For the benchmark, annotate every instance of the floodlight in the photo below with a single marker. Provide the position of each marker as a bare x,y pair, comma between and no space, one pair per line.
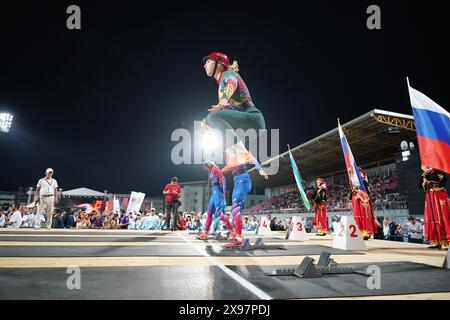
6,120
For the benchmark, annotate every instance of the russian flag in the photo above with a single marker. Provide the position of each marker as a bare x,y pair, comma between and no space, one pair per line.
433,131
352,168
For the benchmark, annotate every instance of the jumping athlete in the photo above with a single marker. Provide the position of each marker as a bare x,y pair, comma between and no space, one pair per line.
320,205
235,109
215,207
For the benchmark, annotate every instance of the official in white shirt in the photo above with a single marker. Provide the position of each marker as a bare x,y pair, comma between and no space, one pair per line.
47,194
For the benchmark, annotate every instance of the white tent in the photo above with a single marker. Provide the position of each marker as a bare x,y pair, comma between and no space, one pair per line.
82,192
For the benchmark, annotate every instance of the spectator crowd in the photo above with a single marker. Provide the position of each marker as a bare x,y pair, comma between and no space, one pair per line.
410,230
16,216
383,193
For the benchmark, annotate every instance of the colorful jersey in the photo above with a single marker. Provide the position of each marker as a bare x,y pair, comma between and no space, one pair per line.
217,179
235,91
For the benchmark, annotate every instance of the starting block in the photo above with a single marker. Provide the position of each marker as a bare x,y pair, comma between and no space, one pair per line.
307,268
220,237
259,245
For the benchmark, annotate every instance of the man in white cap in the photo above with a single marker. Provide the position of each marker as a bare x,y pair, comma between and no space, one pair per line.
47,195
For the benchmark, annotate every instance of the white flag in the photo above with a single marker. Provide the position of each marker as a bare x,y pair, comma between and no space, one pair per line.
135,203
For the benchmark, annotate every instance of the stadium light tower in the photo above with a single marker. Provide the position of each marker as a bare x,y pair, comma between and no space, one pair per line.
6,120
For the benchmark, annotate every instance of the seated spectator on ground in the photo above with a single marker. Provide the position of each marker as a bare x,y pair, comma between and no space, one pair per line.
28,220
386,228
114,222
124,220
106,217
395,231
162,220
145,222
272,224
253,224
97,223
189,223
246,225
197,224
132,224
57,219
181,221
288,223
278,225
203,220
138,221
70,221
415,230
2,218
15,218
64,217
83,221
154,220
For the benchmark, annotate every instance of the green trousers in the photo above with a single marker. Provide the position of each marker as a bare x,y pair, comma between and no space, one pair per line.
223,120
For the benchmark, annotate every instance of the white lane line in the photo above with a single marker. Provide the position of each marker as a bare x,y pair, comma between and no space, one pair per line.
243,282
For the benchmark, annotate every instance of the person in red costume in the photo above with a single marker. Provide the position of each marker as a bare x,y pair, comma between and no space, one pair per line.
437,207
362,208
320,206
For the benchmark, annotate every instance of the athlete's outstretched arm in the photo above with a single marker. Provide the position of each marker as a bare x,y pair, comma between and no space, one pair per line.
258,167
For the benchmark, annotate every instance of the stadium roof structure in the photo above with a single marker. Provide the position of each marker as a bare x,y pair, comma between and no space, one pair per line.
374,138
82,192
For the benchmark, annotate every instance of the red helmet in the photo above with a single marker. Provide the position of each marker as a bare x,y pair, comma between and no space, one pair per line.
218,57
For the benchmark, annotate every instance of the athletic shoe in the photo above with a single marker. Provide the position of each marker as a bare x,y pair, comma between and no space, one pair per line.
234,244
202,236
232,236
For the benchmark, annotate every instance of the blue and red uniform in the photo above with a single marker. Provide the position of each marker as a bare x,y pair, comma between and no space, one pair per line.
242,187
215,207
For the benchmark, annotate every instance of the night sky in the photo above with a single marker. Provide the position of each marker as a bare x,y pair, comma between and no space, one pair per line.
99,105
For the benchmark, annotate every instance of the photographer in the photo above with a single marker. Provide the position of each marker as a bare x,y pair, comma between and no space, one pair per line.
172,191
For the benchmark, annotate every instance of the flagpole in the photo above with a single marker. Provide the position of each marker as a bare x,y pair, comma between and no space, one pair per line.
348,177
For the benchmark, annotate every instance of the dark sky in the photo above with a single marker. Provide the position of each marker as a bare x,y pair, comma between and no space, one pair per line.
99,105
